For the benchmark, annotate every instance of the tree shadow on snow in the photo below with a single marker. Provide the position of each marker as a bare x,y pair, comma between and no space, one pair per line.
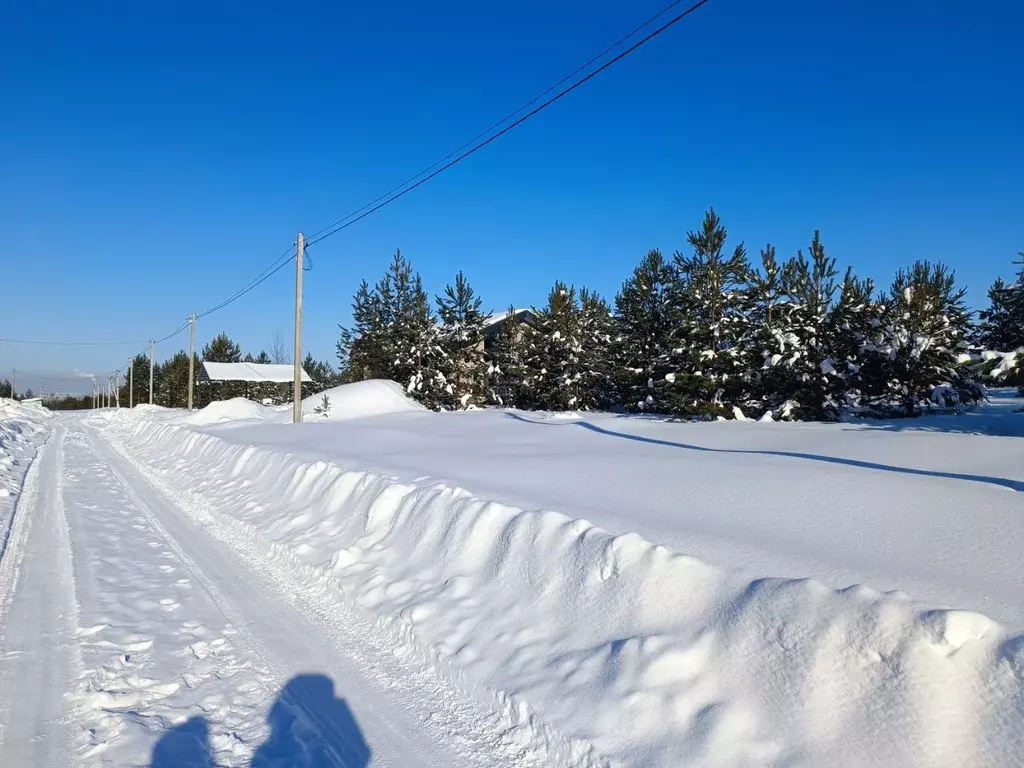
1013,485
309,728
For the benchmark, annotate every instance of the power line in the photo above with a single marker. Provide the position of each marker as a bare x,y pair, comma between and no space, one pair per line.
373,208
275,266
70,343
506,118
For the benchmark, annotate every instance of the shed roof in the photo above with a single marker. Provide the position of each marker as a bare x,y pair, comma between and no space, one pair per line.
258,372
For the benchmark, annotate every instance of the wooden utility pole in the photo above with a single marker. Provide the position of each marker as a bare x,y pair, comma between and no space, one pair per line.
131,383
300,251
150,371
191,356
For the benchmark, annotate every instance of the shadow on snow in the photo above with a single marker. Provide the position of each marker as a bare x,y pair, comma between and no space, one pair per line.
1013,485
309,728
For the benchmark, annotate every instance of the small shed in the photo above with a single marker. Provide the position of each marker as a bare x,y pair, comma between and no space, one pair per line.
254,373
265,381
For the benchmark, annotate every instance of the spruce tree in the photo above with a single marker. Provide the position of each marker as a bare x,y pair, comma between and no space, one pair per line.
912,361
461,361
710,336
643,335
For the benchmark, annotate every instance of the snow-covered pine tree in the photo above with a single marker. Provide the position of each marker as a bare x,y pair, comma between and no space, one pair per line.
1002,329
711,376
766,306
802,369
853,319
911,363
558,371
506,364
642,341
393,335
1001,326
461,338
595,332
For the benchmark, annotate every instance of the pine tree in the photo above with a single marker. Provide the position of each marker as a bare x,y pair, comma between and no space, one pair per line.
767,305
711,327
643,336
912,362
801,367
507,371
461,340
393,334
1001,326
553,364
222,349
855,316
596,331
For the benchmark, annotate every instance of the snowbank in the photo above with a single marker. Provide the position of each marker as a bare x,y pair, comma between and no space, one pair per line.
23,429
374,397
235,409
655,658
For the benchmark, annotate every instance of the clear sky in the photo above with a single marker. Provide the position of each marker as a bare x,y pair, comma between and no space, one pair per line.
156,156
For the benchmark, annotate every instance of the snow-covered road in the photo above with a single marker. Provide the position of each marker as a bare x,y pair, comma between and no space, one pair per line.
127,616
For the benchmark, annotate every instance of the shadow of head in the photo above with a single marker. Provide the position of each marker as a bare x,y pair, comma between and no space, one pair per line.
310,726
184,746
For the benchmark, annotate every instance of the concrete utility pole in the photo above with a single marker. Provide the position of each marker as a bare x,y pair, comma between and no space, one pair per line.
191,356
131,383
117,389
14,383
300,251
150,371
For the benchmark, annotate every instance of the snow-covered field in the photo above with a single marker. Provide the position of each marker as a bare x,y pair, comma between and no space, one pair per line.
389,586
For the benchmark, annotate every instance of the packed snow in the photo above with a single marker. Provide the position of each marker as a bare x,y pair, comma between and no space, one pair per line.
582,589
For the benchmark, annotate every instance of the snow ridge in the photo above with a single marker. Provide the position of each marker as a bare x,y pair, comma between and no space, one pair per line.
600,647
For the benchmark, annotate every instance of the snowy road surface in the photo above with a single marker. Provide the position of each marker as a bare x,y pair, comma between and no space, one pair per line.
125,617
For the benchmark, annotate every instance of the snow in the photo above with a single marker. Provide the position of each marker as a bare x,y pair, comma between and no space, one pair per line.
348,401
648,593
257,372
374,397
579,589
496,317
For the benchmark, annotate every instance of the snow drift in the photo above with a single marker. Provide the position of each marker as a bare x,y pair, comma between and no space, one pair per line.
23,429
375,397
655,658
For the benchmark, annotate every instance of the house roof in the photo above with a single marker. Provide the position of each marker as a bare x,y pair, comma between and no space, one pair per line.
497,317
258,372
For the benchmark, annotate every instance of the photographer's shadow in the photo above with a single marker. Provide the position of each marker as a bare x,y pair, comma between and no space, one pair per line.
309,728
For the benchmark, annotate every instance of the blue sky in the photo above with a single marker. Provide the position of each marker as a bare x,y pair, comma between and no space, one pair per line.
157,156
